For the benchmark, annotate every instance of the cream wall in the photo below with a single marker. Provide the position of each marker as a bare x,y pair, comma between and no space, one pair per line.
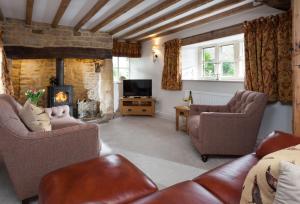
276,116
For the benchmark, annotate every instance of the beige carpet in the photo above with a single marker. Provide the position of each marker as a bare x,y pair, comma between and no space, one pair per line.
165,155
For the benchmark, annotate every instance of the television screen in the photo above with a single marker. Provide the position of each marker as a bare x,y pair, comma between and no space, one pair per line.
137,87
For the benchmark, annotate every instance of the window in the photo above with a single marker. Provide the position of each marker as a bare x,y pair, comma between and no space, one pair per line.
121,67
220,59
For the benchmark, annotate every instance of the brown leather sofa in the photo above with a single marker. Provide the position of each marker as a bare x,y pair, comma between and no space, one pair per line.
220,185
229,129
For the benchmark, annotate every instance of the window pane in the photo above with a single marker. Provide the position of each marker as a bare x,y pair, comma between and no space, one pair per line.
123,62
208,61
116,74
209,54
227,53
124,73
228,69
209,69
115,62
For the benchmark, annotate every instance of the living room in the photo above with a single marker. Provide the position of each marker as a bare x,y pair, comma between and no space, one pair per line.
159,101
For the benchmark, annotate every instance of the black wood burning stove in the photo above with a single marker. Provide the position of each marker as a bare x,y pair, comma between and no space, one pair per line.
58,93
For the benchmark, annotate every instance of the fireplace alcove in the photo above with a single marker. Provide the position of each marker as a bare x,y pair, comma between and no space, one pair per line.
76,77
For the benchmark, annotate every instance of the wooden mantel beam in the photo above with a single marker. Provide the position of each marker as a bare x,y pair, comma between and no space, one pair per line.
20,52
60,12
29,10
97,7
188,18
165,4
206,20
116,14
190,6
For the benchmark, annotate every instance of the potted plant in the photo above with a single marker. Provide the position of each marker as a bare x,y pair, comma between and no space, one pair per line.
34,95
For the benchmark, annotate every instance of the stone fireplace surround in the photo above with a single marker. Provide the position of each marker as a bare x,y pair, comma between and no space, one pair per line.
31,52
80,73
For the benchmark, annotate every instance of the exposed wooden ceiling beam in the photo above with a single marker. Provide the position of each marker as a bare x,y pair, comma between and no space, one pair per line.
188,18
172,14
116,14
60,12
165,4
90,14
205,20
29,9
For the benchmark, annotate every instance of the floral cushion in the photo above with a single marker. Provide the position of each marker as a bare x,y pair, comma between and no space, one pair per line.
35,118
261,182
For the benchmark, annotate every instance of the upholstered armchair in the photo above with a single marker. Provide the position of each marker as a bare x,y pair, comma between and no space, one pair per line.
30,155
230,129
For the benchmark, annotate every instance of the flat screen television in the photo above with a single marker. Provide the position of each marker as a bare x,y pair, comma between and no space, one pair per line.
137,87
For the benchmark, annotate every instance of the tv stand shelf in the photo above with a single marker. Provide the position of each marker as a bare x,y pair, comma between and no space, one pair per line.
137,106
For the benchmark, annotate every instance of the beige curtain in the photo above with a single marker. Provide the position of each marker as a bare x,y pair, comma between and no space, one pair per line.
5,75
125,49
268,43
171,76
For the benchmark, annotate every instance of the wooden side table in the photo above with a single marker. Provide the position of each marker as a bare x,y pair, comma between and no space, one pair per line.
182,111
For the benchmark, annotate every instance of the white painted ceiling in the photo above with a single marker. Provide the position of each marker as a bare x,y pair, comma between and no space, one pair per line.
45,10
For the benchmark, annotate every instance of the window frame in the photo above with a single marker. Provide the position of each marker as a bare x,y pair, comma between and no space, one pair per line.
198,72
218,62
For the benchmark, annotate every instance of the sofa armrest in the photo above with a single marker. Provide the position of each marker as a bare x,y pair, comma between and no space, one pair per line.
277,140
39,153
221,132
58,111
213,126
197,109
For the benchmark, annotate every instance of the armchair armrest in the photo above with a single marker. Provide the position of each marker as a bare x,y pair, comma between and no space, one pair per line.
38,153
197,109
224,133
277,140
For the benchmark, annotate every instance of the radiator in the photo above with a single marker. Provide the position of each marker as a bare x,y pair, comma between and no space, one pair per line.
208,98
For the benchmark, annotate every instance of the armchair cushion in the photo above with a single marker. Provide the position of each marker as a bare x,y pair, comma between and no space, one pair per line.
58,112
35,117
197,109
277,140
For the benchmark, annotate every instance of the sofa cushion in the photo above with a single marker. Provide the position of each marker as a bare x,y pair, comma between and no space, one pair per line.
9,118
226,181
35,118
187,192
261,182
58,111
107,179
288,187
277,140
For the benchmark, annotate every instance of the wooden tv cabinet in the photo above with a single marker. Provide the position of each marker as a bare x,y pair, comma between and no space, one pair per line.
137,106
